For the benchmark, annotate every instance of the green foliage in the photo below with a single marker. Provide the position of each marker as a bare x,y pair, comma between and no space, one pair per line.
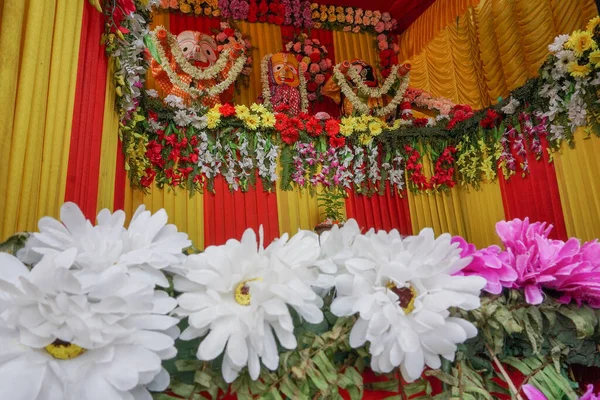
331,201
14,243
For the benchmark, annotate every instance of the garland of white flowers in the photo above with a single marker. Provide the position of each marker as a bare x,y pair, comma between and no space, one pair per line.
215,90
361,106
266,90
374,92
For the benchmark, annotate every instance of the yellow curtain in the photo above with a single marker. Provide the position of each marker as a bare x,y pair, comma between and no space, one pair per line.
265,39
481,210
38,64
438,16
109,149
349,45
492,48
577,175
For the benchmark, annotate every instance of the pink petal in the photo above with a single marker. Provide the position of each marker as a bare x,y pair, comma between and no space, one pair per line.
532,393
533,294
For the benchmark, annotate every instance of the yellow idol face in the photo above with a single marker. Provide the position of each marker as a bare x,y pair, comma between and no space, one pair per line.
285,69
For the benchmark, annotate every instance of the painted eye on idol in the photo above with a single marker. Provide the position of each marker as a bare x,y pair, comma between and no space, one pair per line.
278,68
293,70
208,52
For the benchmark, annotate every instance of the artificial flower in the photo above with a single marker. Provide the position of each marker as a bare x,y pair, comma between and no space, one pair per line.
593,24
238,296
227,110
146,248
595,58
241,111
558,43
268,120
402,290
589,393
213,118
533,393
487,264
252,121
72,332
580,42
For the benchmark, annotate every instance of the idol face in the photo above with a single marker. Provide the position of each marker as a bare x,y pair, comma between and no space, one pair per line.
285,69
366,72
198,47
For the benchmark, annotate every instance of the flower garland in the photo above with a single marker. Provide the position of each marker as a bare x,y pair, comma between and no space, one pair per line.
234,72
351,19
229,35
423,99
361,106
266,90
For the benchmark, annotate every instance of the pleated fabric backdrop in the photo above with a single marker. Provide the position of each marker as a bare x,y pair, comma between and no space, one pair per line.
58,90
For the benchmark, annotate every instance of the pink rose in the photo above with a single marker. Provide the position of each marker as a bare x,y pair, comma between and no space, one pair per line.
317,42
329,63
396,48
381,38
383,45
349,10
224,25
388,26
221,37
386,17
374,21
308,49
312,96
308,42
356,29
358,19
303,66
368,13
380,27
322,116
249,60
323,64
297,47
314,68
349,18
320,78
359,11
377,14
366,20
347,28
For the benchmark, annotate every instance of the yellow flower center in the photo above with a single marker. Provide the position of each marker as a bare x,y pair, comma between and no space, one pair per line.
64,350
406,296
242,292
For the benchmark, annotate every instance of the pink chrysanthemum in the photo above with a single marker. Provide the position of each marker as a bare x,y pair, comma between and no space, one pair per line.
487,264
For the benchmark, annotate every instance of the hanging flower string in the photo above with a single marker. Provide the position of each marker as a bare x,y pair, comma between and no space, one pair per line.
443,174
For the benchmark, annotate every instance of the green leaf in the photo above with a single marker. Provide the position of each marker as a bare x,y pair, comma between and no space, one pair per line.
583,318
182,389
202,378
188,365
151,48
326,367
417,387
317,378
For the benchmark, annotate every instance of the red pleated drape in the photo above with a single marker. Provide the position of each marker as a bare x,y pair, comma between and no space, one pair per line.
228,214
536,195
325,37
86,133
386,212
179,22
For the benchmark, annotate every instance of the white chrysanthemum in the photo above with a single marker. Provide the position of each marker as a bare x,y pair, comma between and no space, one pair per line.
238,296
558,43
402,290
147,247
78,334
563,59
511,107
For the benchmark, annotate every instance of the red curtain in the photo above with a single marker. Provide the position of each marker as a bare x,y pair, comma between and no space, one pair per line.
86,133
179,22
386,212
228,214
536,195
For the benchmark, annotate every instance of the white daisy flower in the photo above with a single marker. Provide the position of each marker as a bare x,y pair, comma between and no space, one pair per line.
558,43
563,59
152,93
238,296
174,101
181,118
79,334
402,290
511,107
147,247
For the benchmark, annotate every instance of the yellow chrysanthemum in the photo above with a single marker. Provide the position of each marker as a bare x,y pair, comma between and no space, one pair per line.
268,120
252,121
593,24
581,41
360,126
365,139
213,118
241,111
595,58
375,128
258,108
579,71
346,130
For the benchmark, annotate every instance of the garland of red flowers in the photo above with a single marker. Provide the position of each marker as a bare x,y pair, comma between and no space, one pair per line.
443,176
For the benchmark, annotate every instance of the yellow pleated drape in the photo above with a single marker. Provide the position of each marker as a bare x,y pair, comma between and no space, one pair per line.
265,39
38,74
349,45
579,186
492,48
481,210
438,16
109,149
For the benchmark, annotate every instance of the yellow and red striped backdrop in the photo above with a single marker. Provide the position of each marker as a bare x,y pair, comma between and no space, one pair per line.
60,141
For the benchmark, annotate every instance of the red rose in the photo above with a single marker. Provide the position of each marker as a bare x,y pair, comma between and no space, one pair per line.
315,57
227,110
279,20
252,11
228,31
263,18
312,86
263,8
332,127
299,57
420,122
337,142
152,116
